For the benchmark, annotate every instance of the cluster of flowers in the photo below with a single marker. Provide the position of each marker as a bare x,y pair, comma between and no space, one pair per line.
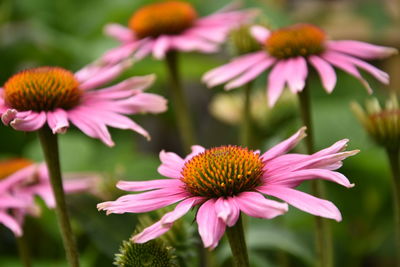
222,181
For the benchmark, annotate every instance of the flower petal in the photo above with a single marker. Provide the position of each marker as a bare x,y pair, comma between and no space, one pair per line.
361,49
325,71
58,121
260,33
171,164
32,122
161,46
211,228
10,223
227,210
119,32
148,185
276,82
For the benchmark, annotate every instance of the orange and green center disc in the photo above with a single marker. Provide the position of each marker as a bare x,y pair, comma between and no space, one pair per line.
296,40
223,171
10,166
42,89
169,17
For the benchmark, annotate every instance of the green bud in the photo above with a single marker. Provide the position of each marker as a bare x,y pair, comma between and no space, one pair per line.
242,42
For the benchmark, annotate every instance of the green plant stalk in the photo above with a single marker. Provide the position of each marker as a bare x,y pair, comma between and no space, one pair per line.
246,125
23,251
323,232
393,156
237,243
180,106
49,143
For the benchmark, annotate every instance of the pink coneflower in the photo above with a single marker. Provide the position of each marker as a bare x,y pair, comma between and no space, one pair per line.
20,181
288,50
54,95
171,25
225,181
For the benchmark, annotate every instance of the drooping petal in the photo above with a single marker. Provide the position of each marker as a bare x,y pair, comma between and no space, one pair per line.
32,122
58,121
296,73
151,232
276,82
10,223
284,146
260,33
227,210
161,46
181,209
361,49
325,72
303,201
211,228
119,32
8,116
256,205
148,185
144,102
187,42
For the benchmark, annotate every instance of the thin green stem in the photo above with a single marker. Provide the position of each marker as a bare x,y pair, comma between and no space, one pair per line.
182,114
238,244
393,156
246,125
49,144
23,251
323,233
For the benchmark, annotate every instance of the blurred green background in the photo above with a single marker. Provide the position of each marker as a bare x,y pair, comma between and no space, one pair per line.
68,33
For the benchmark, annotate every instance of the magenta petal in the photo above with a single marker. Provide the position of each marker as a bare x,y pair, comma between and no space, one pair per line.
150,233
58,120
361,49
32,122
120,53
196,149
181,209
211,228
335,148
8,116
227,210
10,223
276,82
161,46
304,202
284,146
256,205
148,185
325,71
260,33
296,73
119,32
144,102
171,164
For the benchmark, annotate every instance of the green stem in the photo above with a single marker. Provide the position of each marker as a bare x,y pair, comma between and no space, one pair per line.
246,125
182,114
238,244
49,144
323,233
23,251
393,156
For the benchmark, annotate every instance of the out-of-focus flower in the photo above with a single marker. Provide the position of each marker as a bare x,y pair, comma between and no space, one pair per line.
172,25
225,181
382,124
241,40
289,50
229,108
20,181
57,96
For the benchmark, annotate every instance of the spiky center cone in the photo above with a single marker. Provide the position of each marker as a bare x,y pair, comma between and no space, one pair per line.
169,17
42,89
10,166
223,171
296,40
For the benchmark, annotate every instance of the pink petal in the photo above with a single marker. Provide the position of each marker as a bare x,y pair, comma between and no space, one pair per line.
187,42
145,48
119,32
256,205
196,149
293,179
150,233
58,120
32,122
171,164
211,228
260,33
337,60
46,193
181,209
250,74
361,49
207,33
297,67
304,202
148,185
8,116
284,146
10,223
7,202
17,177
335,148
120,53
325,71
227,210
276,82
161,46
143,102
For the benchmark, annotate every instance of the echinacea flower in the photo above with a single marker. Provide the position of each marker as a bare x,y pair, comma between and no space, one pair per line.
57,96
289,50
225,181
171,25
20,181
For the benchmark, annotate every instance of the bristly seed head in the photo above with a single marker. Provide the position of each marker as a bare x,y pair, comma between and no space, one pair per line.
10,166
42,89
169,17
223,171
296,40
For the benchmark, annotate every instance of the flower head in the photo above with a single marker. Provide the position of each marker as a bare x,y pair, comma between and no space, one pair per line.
171,25
382,124
289,50
57,96
20,181
225,181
